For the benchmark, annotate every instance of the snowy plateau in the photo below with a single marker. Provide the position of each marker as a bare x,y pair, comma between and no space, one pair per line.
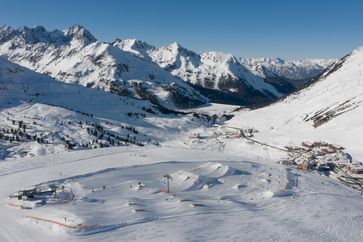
125,141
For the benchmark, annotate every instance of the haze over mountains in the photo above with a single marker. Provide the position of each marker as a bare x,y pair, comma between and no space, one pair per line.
297,73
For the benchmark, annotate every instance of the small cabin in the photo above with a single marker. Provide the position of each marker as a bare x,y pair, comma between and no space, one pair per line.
303,166
306,144
327,150
337,147
286,162
319,144
356,169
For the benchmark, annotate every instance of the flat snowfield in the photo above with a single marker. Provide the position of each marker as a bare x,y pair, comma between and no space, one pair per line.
214,108
120,194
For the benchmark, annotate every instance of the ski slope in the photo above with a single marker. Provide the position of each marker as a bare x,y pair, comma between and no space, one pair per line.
249,199
329,110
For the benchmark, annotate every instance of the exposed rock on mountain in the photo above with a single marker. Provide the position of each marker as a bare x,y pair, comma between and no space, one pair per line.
219,76
75,56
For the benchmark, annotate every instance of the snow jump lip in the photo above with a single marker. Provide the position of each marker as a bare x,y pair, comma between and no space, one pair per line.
187,181
217,170
207,174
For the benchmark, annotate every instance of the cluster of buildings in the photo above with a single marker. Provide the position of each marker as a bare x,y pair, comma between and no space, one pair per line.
322,157
47,193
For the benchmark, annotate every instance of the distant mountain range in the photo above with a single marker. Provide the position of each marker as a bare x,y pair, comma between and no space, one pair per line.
296,72
172,76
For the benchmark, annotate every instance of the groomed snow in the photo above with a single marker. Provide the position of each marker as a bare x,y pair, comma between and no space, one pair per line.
262,201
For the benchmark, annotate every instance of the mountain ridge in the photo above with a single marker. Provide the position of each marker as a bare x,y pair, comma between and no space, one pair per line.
77,57
157,74
171,76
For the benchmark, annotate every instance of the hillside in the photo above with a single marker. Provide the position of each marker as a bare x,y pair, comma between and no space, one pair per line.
330,109
40,116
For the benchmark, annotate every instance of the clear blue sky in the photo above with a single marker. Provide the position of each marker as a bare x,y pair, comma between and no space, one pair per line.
293,29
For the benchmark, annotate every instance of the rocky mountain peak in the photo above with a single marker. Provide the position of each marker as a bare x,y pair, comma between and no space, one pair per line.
80,33
6,33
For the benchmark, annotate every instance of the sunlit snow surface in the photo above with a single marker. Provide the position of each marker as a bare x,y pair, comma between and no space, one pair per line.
222,187
282,123
213,197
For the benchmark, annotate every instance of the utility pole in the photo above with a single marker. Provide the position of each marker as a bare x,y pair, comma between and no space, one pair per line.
297,180
167,177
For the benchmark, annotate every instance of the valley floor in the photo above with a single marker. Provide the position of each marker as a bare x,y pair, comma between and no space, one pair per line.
215,196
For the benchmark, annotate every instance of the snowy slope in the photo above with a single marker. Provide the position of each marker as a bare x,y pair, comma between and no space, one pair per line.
296,72
75,56
222,188
215,71
260,202
137,47
330,109
238,194
40,115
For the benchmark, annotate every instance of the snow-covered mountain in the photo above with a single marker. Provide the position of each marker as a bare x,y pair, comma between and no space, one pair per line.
75,56
215,194
296,72
172,76
330,109
210,175
39,115
220,76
